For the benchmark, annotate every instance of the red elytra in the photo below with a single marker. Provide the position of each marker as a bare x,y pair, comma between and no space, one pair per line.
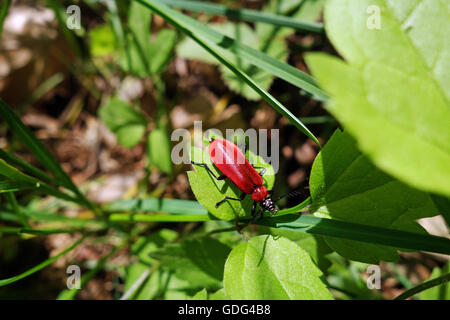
231,161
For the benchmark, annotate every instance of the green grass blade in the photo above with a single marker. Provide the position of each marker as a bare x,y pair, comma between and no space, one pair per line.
15,175
317,226
29,168
359,232
246,15
44,232
39,150
15,206
3,12
424,286
130,217
40,266
173,206
162,10
43,88
252,56
53,218
7,186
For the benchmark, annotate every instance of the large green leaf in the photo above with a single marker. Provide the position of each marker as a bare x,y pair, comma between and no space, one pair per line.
316,246
208,190
346,186
393,92
127,123
265,268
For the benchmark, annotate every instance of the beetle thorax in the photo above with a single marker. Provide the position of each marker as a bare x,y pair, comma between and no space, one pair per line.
259,194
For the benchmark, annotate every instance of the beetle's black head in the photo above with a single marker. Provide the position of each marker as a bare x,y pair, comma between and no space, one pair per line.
269,205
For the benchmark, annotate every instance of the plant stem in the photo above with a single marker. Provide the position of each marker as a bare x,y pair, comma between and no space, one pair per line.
424,286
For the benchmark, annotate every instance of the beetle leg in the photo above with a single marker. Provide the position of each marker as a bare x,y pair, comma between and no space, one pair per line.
230,198
204,165
253,208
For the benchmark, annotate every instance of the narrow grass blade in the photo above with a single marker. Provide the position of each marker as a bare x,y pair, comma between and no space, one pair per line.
29,168
173,206
8,186
3,12
424,286
39,150
359,232
15,206
246,15
42,232
40,266
127,217
162,10
43,88
257,58
15,175
317,226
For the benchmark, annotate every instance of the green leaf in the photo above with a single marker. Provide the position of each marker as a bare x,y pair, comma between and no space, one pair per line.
160,50
199,262
159,149
441,292
102,41
146,57
393,92
128,124
208,190
316,246
346,186
139,20
265,268
218,295
201,295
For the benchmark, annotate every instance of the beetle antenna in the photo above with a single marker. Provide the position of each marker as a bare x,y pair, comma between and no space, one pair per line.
291,194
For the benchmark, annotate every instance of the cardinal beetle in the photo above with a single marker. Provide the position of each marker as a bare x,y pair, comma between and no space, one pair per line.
231,161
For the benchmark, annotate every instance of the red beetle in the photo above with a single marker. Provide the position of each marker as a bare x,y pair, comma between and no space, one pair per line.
231,161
